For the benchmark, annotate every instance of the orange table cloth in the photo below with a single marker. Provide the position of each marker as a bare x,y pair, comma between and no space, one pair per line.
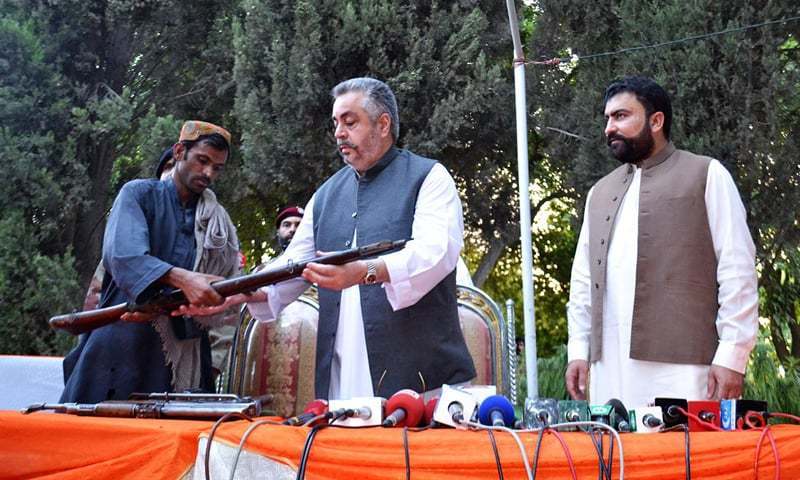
47,445
444,454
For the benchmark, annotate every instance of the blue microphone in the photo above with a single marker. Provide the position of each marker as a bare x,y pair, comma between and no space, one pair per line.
496,411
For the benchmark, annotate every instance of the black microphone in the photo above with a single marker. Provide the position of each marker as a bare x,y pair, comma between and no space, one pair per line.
620,420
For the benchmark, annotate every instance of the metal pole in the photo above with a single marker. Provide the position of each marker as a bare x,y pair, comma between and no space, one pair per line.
524,206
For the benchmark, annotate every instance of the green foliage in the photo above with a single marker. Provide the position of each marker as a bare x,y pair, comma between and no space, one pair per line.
735,98
767,379
445,61
32,286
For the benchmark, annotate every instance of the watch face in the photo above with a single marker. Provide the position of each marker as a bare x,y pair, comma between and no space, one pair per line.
370,278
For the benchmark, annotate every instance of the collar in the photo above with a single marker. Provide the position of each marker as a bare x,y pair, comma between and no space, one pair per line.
174,192
384,161
659,157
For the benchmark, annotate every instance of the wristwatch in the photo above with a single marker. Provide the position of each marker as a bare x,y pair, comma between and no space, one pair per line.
372,273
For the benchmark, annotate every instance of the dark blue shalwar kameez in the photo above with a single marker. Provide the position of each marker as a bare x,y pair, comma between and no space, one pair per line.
148,233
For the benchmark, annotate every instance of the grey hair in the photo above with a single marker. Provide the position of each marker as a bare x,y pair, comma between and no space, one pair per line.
379,99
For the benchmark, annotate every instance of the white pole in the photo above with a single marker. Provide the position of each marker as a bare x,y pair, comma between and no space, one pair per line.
524,207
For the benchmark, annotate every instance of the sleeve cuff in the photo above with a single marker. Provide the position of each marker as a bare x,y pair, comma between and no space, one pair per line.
732,356
577,349
262,311
399,285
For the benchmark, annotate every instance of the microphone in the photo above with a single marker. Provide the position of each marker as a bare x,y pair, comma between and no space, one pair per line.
496,411
455,406
646,419
313,409
651,420
357,412
619,420
406,407
429,409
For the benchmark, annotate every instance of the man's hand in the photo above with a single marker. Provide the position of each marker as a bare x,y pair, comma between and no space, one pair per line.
137,317
575,377
233,300
724,383
195,286
336,277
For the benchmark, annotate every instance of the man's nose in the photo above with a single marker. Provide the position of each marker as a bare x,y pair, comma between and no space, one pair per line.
338,131
610,127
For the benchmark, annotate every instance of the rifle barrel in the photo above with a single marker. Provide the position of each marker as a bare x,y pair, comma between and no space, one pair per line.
80,322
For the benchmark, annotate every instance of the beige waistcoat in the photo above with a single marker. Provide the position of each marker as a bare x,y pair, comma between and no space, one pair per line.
675,303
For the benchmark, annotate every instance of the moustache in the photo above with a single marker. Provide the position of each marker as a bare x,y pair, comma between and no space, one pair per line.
613,137
346,143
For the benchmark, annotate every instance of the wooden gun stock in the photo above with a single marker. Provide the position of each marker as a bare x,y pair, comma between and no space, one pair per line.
80,322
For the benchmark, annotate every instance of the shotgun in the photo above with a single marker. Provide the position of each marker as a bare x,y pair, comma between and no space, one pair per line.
80,322
190,406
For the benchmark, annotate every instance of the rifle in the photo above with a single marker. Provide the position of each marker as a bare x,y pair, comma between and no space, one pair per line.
191,406
80,322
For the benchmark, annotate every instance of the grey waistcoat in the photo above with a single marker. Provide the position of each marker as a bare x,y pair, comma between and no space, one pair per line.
675,303
425,337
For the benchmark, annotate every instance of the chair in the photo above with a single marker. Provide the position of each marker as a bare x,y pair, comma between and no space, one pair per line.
279,357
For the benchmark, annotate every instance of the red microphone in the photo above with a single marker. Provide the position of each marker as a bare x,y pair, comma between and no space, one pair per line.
429,408
406,407
314,408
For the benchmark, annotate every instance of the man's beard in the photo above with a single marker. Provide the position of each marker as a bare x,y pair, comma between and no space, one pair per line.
632,150
283,242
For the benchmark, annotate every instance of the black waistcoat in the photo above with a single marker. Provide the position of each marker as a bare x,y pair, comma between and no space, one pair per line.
424,338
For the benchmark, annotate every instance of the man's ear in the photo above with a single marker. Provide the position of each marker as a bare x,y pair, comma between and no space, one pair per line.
385,124
178,151
657,122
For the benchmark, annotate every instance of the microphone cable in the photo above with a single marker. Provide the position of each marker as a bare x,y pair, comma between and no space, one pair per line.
206,462
697,418
242,441
536,451
681,426
603,426
567,453
301,470
603,468
405,449
765,432
520,445
496,454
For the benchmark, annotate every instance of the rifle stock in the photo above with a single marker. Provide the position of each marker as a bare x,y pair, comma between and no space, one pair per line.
80,322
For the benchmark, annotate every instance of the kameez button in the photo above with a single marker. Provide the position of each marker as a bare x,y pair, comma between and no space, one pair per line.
347,243
602,241
608,217
355,214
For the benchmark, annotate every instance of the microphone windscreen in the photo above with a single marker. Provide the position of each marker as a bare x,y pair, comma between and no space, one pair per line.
317,407
496,403
411,402
619,409
429,408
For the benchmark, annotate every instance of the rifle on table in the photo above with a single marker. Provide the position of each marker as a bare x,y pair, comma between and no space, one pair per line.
80,322
190,406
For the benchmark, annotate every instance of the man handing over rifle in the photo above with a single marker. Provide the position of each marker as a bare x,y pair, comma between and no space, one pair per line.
160,234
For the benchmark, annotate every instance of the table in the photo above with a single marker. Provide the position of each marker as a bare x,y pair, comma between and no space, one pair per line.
47,445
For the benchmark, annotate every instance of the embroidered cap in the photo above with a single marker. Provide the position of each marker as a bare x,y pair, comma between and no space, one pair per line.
194,129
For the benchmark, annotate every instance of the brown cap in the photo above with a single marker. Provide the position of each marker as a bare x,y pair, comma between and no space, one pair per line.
194,129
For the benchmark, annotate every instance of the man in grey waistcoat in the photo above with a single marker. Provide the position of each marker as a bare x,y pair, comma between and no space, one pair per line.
663,299
390,322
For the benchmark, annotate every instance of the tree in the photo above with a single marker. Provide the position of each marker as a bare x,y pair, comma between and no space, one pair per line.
90,93
448,63
735,98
